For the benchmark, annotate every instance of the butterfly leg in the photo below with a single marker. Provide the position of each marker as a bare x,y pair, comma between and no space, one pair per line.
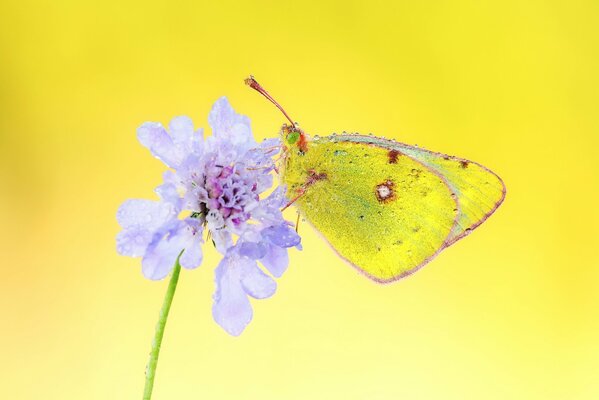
297,222
313,177
301,191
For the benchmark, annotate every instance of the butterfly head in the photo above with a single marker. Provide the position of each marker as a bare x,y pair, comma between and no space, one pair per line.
291,135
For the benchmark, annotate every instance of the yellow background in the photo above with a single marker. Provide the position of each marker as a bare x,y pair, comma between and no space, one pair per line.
511,312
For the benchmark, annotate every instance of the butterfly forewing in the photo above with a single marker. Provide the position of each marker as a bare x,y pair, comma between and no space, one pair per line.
385,215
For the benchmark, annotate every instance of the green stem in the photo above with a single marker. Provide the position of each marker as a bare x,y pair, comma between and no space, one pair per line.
166,306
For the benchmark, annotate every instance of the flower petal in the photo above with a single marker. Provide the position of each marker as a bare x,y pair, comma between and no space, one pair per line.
181,129
231,309
252,250
146,214
160,259
133,242
277,198
153,136
282,235
263,182
269,209
192,256
256,283
271,144
222,240
227,124
192,238
169,194
184,137
276,261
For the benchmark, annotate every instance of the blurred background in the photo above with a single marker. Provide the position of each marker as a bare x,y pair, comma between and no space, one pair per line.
511,312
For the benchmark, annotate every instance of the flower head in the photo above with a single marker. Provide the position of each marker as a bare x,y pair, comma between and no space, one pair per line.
218,185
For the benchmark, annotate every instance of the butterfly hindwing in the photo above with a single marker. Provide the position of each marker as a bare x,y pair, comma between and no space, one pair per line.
479,190
385,215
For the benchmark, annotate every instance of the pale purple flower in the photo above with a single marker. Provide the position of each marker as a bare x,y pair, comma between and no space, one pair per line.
217,186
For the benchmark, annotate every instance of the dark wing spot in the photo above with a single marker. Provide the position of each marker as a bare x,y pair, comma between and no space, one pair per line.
393,155
416,173
384,192
464,164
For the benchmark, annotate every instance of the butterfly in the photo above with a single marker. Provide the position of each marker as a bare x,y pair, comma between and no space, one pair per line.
387,208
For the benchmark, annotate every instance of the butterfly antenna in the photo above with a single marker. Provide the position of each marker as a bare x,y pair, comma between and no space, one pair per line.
251,82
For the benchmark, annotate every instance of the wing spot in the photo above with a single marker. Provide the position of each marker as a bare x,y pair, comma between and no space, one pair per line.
464,164
393,155
416,173
384,192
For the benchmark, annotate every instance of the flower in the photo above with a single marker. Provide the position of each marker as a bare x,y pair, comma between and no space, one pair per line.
218,184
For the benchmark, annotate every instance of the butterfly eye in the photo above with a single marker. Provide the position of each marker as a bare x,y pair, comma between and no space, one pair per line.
292,137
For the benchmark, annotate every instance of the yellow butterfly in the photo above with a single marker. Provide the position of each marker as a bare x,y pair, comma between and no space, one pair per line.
386,207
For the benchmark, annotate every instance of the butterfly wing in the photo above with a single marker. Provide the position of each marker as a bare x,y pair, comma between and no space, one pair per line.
385,218
479,190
